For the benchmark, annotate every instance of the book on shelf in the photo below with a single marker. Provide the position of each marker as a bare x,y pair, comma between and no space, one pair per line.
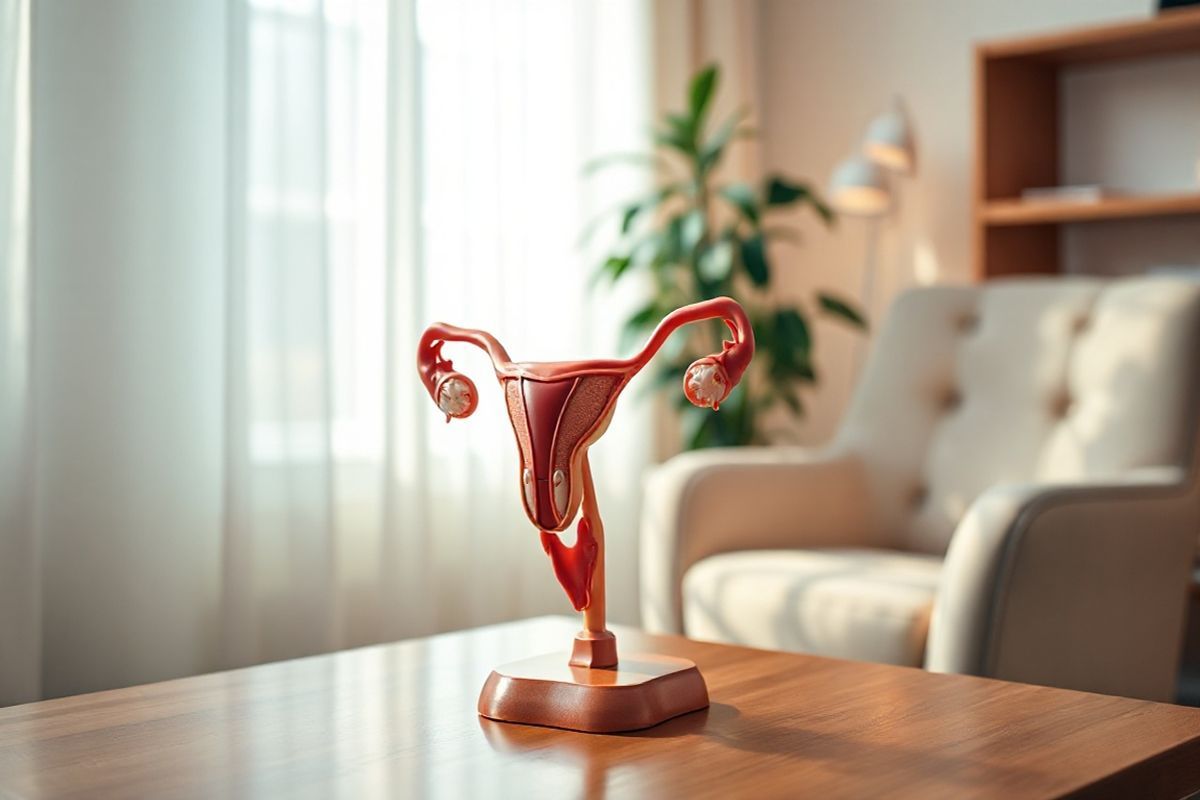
1077,193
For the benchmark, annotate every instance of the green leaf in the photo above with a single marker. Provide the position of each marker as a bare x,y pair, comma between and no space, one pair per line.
781,191
682,124
785,368
787,346
691,229
822,208
649,250
700,93
629,216
714,147
615,266
675,347
678,134
716,261
627,210
638,322
754,259
707,289
670,374
735,424
697,427
838,307
791,331
672,251
644,317
647,203
741,196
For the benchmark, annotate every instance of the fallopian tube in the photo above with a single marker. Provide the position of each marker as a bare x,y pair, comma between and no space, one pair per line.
558,410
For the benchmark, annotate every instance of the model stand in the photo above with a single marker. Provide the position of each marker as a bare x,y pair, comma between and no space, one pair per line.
558,410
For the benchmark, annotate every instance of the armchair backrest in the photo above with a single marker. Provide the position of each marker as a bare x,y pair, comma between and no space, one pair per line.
1029,380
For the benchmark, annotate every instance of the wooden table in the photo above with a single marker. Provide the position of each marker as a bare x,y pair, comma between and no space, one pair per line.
399,721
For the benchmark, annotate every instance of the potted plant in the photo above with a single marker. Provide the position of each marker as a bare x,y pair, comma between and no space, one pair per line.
696,239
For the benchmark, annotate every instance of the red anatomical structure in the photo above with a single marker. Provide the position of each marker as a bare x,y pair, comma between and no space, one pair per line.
558,410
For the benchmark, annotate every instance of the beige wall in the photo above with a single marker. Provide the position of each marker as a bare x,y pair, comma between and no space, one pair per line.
827,67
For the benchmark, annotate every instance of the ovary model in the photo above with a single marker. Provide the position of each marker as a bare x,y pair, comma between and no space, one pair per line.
560,409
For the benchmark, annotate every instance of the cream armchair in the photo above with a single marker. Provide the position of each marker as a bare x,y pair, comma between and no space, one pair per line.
1012,493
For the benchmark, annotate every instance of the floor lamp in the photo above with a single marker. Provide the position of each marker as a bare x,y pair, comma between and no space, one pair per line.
861,186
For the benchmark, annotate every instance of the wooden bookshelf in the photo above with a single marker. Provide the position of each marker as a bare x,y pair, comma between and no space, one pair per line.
1017,139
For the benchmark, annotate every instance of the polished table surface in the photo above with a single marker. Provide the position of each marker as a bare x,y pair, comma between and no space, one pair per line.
399,721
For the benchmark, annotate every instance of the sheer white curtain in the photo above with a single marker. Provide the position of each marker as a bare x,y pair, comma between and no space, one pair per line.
213,446
20,644
396,163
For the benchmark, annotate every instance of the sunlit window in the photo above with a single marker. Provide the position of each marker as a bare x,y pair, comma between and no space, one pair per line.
316,203
508,109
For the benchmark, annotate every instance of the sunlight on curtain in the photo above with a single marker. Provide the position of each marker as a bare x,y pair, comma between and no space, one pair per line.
397,163
20,638
517,97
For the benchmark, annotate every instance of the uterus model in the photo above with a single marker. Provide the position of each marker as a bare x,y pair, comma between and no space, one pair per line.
558,410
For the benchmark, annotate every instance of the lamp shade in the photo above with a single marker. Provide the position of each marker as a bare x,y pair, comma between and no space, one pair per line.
859,187
890,142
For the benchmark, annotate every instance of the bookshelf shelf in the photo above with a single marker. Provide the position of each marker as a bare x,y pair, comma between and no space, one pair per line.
1170,32
1017,141
1049,212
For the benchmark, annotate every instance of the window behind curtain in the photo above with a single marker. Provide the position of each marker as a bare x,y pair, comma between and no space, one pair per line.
367,218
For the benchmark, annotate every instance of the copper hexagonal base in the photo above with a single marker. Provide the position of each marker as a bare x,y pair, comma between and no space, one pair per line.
640,692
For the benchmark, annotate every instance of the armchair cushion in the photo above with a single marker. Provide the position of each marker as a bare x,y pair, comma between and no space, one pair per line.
848,603
716,501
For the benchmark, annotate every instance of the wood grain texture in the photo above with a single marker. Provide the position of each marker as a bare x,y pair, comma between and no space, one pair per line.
1020,250
1044,212
1017,139
1020,137
399,721
1173,32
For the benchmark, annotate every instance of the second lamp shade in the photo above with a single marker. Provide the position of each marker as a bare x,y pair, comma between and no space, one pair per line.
889,140
859,187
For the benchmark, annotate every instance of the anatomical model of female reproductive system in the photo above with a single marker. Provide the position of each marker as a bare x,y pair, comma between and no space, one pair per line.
558,410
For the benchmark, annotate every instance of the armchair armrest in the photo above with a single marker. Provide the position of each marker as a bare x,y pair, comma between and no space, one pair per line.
1081,586
714,501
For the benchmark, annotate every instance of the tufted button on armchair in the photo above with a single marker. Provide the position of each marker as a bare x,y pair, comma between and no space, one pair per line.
1012,493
